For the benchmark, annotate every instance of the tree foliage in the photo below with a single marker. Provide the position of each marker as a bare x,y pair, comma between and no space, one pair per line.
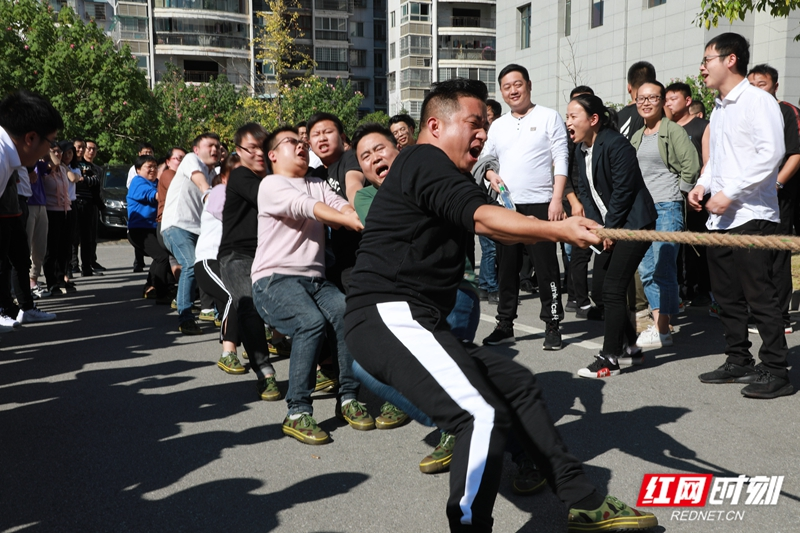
99,90
701,93
378,117
713,10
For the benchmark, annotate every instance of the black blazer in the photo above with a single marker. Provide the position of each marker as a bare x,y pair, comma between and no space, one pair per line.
619,183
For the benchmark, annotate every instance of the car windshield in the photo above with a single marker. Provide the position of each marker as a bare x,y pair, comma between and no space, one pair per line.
116,178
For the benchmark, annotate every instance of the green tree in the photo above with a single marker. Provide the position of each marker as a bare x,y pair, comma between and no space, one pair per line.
99,90
713,10
378,117
701,93
314,95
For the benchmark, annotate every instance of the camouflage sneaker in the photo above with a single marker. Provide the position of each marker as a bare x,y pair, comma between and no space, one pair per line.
244,355
268,389
391,417
528,479
230,363
612,515
355,414
439,459
304,429
324,383
218,322
207,316
282,347
174,304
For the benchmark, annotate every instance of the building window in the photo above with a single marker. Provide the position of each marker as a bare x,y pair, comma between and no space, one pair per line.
379,5
415,77
486,75
415,12
358,58
568,18
379,30
99,11
390,80
331,29
361,86
656,3
302,30
391,18
597,13
524,14
415,45
379,66
391,51
331,58
356,29
415,108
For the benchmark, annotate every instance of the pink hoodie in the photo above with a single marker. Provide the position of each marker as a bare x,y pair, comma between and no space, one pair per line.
290,240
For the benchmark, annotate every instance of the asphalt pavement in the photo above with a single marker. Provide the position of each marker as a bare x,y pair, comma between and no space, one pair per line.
111,420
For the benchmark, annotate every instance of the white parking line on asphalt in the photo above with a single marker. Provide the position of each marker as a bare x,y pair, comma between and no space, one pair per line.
589,345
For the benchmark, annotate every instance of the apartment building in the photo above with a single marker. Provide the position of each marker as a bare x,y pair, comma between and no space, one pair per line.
565,43
436,40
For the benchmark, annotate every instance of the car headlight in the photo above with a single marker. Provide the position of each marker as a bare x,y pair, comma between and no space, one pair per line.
114,204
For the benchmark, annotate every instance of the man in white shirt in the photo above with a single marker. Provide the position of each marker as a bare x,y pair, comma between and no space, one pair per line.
530,144
180,222
746,149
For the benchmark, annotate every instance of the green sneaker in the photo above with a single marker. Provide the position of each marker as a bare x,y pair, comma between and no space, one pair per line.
244,355
324,383
612,515
305,429
355,414
190,327
218,322
528,479
391,417
174,304
207,316
230,363
282,347
268,389
439,459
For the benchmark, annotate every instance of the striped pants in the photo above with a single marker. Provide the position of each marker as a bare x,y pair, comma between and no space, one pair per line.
471,392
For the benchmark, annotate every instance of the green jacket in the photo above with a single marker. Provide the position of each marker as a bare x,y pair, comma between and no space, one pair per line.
677,152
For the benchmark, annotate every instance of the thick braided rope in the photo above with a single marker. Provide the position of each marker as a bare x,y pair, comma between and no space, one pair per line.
769,242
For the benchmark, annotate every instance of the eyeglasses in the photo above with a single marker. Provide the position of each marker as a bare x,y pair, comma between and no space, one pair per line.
53,143
653,99
706,59
251,151
294,142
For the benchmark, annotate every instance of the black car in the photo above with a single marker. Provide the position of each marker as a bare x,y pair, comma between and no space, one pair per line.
114,215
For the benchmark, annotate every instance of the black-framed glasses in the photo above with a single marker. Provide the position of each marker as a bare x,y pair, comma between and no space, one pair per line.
250,151
294,142
653,99
706,59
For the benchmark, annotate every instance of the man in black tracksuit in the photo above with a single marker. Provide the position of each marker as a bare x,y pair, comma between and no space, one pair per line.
404,284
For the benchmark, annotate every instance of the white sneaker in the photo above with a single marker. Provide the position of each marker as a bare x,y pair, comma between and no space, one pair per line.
651,338
7,324
34,315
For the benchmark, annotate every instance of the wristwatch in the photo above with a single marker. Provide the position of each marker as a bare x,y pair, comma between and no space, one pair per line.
778,185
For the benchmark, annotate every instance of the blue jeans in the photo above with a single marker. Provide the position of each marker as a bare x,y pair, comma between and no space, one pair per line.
463,319
307,309
659,267
487,277
181,245
391,395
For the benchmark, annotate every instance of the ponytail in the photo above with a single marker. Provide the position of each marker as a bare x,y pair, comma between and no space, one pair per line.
593,105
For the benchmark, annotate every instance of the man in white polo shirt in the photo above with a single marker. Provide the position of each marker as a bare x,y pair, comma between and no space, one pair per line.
530,144
180,222
746,150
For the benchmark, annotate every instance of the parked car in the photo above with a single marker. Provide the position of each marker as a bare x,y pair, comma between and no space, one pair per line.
114,215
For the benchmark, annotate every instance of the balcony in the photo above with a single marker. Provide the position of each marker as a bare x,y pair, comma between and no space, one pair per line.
343,6
465,54
472,22
228,6
205,40
201,76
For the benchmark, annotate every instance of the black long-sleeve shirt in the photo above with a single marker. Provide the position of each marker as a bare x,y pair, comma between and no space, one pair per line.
240,214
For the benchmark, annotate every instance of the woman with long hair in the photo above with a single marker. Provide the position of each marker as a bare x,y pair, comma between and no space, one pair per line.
73,169
613,193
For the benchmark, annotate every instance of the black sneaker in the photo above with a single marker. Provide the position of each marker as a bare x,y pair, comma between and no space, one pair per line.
590,313
494,298
552,337
503,333
98,267
767,386
600,368
632,356
571,307
526,285
190,327
528,479
731,373
483,294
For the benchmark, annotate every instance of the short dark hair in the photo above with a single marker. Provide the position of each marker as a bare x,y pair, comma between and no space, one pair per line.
144,145
580,89
225,168
732,44
254,129
513,67
446,94
765,70
269,144
659,85
680,87
495,106
698,106
206,135
142,159
78,140
301,124
641,72
171,152
87,141
22,112
319,117
406,119
593,105
369,128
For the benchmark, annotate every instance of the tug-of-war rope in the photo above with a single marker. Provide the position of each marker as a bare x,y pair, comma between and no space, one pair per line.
768,242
